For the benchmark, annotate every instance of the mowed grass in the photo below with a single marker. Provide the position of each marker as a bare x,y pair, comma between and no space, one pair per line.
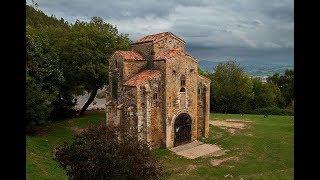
264,149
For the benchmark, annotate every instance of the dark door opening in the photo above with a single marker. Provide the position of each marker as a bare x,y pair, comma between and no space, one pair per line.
182,129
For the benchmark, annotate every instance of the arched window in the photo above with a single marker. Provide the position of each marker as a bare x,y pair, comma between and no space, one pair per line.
182,83
182,89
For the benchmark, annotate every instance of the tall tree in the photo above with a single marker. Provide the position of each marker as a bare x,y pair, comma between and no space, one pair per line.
64,60
85,52
231,88
285,83
43,75
265,94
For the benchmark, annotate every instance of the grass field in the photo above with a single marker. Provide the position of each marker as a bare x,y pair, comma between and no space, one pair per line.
264,149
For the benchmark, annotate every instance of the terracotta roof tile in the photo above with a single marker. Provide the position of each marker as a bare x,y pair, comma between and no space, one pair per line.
156,37
168,54
171,53
142,77
130,55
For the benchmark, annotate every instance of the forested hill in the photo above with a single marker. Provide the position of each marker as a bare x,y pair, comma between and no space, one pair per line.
37,19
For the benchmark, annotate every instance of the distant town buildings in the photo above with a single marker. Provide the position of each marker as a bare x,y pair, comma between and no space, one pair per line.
263,79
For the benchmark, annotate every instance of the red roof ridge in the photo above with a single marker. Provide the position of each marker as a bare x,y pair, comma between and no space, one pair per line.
157,37
168,54
171,53
130,55
142,77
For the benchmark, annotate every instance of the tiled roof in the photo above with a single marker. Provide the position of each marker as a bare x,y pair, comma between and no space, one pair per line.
171,53
168,54
130,55
142,77
156,37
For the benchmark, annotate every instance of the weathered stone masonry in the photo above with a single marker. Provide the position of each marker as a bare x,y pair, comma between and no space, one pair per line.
152,85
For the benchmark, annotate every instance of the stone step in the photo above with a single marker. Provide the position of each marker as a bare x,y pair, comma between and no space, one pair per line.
186,146
198,151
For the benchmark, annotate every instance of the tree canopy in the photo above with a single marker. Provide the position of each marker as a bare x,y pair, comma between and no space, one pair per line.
64,60
231,88
233,91
285,83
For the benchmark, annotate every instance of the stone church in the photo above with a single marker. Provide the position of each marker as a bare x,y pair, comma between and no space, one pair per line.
156,88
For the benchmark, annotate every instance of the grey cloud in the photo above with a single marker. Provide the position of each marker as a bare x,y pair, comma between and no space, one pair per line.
211,28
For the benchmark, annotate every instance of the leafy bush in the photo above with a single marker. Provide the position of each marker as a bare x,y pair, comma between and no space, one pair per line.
38,107
105,152
272,111
63,106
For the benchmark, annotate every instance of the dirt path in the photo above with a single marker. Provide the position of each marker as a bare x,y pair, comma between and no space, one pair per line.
231,125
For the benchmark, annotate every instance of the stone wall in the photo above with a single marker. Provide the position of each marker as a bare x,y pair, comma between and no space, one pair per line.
149,112
145,49
204,105
115,66
201,110
180,102
168,43
129,99
123,107
157,119
131,68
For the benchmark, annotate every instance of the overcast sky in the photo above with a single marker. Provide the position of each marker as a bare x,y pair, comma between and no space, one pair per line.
214,30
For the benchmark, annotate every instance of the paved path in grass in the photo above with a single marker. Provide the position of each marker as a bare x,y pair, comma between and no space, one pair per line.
196,149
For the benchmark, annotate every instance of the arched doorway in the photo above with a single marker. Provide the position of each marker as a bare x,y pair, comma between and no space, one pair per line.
182,129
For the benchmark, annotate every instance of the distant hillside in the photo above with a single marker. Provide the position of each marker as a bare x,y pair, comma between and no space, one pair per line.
251,67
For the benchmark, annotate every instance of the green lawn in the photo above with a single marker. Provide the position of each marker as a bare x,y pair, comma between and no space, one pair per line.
40,164
264,149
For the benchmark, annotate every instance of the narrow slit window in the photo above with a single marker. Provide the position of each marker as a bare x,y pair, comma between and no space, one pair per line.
183,80
182,83
155,96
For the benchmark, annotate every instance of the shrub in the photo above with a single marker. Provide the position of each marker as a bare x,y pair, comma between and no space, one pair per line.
63,106
272,111
38,106
105,152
